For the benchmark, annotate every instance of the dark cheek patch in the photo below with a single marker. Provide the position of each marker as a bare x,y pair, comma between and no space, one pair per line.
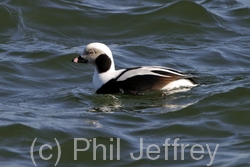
103,63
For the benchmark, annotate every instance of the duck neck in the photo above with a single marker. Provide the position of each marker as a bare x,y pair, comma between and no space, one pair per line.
101,78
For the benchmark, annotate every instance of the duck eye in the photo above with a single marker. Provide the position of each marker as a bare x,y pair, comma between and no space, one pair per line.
91,52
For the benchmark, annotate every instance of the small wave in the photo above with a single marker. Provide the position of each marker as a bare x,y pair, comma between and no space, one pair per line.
11,17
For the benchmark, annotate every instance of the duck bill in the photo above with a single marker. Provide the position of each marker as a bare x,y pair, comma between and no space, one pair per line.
79,59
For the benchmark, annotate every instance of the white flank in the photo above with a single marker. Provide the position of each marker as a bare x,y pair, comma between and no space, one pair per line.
179,84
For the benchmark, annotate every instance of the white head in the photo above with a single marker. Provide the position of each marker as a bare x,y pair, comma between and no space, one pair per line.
99,55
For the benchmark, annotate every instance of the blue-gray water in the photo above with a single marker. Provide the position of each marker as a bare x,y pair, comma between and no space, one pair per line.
45,96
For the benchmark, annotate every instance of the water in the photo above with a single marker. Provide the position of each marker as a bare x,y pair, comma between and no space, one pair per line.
45,96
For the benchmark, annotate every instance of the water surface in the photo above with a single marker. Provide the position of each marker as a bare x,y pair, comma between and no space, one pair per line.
45,96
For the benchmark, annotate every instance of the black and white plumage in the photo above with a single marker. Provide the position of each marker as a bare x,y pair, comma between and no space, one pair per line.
132,80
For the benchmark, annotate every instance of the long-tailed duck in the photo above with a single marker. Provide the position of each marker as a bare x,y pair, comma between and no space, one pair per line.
133,80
